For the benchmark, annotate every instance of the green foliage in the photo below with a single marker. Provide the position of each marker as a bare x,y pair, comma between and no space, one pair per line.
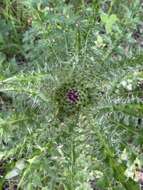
47,49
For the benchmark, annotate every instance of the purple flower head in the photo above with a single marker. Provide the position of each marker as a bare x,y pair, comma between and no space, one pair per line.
72,96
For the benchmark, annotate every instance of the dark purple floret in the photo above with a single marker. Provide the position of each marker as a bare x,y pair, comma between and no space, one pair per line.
73,96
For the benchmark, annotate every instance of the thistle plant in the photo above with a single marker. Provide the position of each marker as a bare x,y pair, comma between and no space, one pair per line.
71,97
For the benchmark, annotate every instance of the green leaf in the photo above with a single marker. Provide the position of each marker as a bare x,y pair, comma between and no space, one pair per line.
20,165
109,21
13,173
2,57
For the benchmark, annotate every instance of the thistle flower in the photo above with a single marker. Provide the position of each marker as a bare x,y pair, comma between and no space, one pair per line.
72,96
